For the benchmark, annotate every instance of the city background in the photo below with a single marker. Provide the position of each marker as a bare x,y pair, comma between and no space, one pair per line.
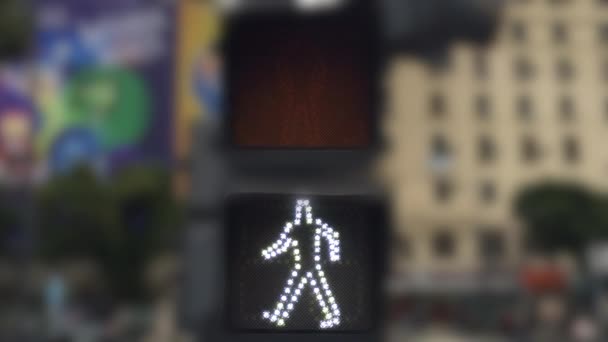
493,163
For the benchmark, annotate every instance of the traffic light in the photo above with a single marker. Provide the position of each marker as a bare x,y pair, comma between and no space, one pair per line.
304,264
302,89
287,235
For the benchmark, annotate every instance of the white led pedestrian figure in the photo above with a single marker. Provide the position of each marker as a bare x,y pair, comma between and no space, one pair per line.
305,274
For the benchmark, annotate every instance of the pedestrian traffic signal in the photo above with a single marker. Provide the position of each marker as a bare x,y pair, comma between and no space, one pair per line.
303,264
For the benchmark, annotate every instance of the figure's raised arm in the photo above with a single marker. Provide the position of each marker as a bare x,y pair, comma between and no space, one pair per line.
333,240
281,245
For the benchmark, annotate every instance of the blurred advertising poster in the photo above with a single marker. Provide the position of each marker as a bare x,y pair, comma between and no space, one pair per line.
104,83
198,76
20,122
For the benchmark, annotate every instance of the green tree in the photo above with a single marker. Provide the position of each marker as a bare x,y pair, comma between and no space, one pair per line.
77,217
150,220
561,216
8,220
121,223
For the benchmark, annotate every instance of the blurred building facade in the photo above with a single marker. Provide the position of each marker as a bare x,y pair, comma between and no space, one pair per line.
466,135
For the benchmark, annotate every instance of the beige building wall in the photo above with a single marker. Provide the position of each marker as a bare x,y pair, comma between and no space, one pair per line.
544,79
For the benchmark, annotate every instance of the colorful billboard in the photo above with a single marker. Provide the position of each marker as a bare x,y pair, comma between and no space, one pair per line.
198,76
104,86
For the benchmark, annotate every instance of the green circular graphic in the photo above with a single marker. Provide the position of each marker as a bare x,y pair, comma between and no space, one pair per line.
116,102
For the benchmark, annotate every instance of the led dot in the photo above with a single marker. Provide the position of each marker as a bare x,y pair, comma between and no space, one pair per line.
297,222
317,243
313,282
298,266
321,273
328,316
325,225
290,306
316,290
325,310
266,314
300,202
296,251
298,292
323,280
294,298
319,268
280,305
285,314
318,221
273,318
334,306
336,235
281,323
331,299
317,250
273,254
294,273
297,258
290,282
317,237
317,258
287,290
283,298
299,215
294,243
304,281
309,274
306,202
276,312
319,297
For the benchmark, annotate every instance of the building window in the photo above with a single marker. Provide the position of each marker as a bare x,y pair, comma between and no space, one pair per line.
564,70
437,105
566,108
519,31
604,69
441,154
482,106
571,150
524,70
524,108
560,33
492,246
486,149
603,32
487,192
530,150
481,66
444,244
444,190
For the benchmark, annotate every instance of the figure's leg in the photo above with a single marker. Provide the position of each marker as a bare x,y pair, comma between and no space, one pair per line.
286,300
326,299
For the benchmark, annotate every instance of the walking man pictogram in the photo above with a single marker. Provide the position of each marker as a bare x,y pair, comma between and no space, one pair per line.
307,270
